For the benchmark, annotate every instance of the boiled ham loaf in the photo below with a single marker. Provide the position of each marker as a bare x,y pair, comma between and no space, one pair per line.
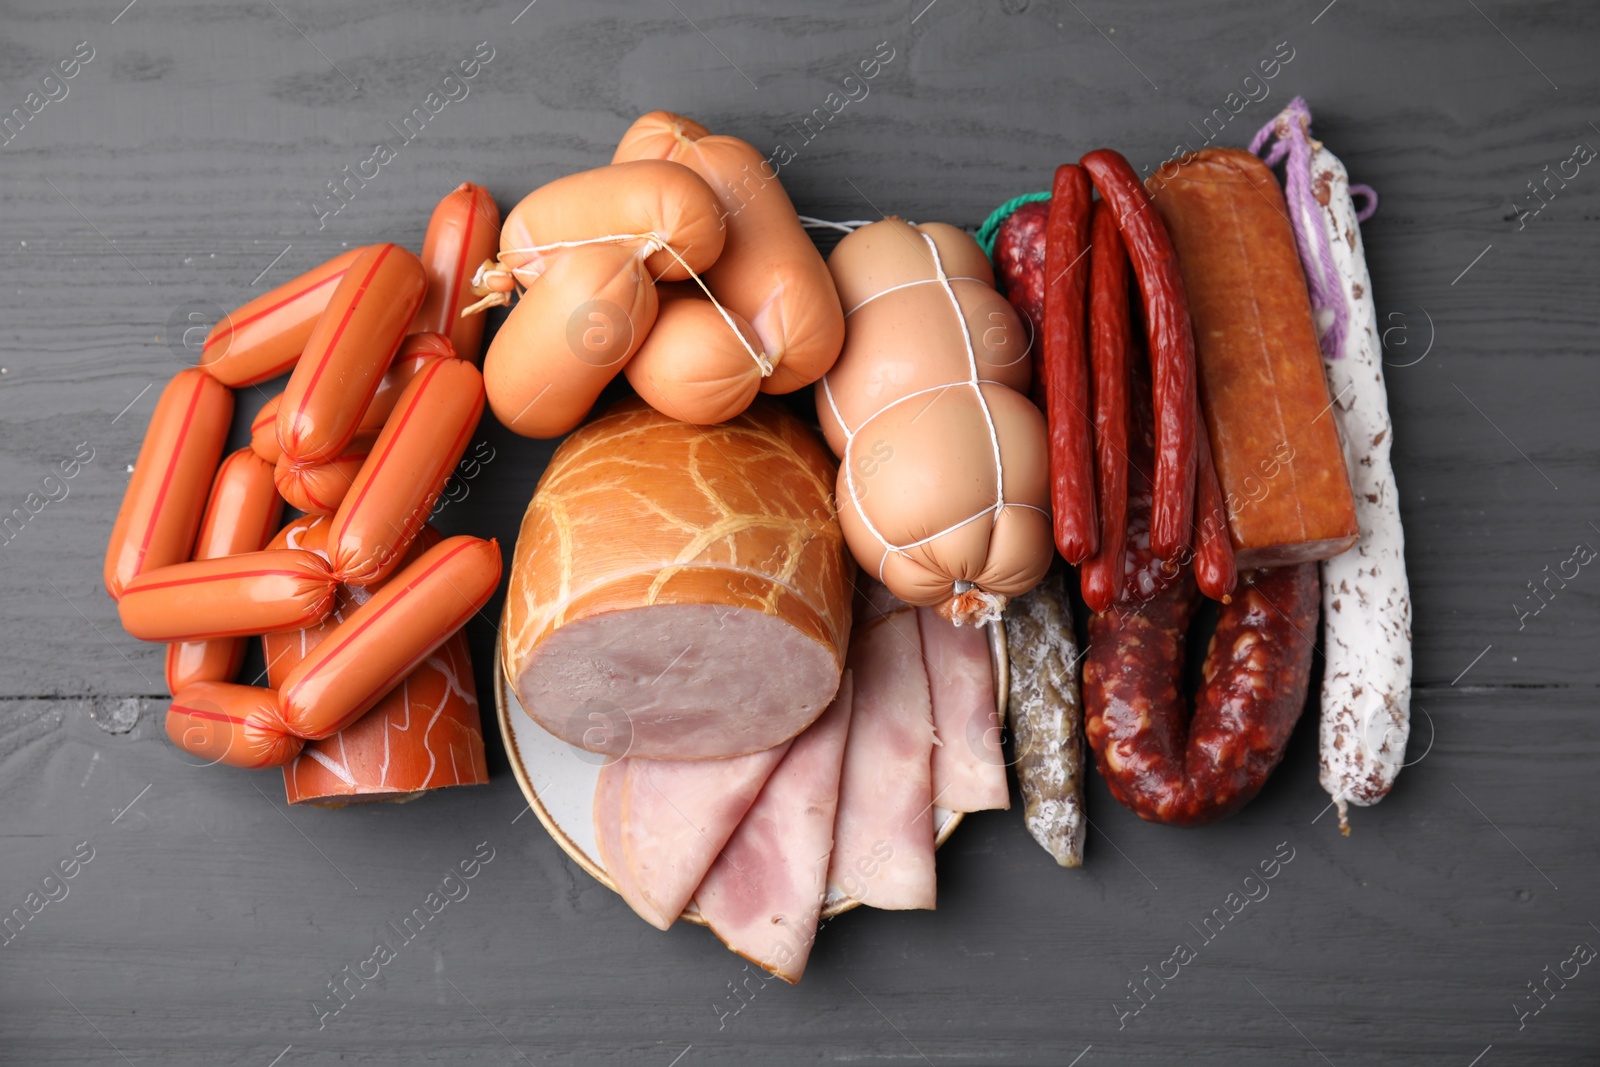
679,592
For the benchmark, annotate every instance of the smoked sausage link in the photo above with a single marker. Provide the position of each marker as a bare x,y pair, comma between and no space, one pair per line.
1066,365
1171,344
241,514
770,272
463,232
232,596
385,638
1157,760
166,496
350,348
1110,354
1019,250
236,725
265,337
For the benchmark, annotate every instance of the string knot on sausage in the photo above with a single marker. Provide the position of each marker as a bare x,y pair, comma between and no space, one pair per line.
653,243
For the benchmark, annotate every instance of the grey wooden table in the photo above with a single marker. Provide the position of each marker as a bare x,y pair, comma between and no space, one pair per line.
185,167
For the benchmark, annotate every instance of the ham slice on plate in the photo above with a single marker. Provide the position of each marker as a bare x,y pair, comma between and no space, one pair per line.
661,824
883,835
763,895
969,771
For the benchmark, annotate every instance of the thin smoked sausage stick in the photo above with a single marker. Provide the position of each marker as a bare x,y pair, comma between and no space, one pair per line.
1110,342
1066,365
1171,341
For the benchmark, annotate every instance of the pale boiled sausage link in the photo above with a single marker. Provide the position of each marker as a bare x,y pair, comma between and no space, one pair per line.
770,272
692,367
589,248
943,484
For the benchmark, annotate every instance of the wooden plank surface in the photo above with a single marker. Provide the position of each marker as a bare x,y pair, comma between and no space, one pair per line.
181,172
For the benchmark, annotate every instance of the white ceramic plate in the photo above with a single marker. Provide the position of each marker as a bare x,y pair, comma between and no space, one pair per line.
559,779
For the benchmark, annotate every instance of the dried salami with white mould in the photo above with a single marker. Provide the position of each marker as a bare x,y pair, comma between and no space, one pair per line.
1366,598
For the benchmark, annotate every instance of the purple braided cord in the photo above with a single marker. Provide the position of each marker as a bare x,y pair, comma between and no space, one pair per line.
1292,128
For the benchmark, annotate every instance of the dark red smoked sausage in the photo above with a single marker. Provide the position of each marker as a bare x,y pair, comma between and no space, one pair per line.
1066,365
1171,340
1214,567
1019,261
1160,762
1110,343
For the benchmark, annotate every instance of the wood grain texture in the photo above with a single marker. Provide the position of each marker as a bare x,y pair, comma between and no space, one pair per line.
181,172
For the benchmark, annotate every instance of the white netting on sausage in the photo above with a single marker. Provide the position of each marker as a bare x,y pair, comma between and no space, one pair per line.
990,603
653,242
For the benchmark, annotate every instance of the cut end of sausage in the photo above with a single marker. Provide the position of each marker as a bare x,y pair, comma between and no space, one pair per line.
678,681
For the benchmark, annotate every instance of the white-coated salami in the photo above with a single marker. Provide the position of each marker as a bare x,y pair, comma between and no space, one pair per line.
1366,600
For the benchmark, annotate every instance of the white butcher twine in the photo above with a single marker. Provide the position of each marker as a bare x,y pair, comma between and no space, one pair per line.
992,604
1366,599
653,242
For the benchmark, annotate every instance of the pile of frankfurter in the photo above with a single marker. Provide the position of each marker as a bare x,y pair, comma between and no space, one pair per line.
359,602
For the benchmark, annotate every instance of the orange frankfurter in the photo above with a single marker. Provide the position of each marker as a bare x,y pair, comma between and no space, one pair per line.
240,516
166,497
396,488
463,232
263,338
350,348
425,734
236,725
321,487
416,352
234,596
385,639
264,431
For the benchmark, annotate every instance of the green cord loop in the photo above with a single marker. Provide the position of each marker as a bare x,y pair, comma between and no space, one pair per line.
991,225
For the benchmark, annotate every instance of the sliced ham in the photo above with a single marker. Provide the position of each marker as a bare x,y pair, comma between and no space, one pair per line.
883,834
673,818
969,770
763,895
608,833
